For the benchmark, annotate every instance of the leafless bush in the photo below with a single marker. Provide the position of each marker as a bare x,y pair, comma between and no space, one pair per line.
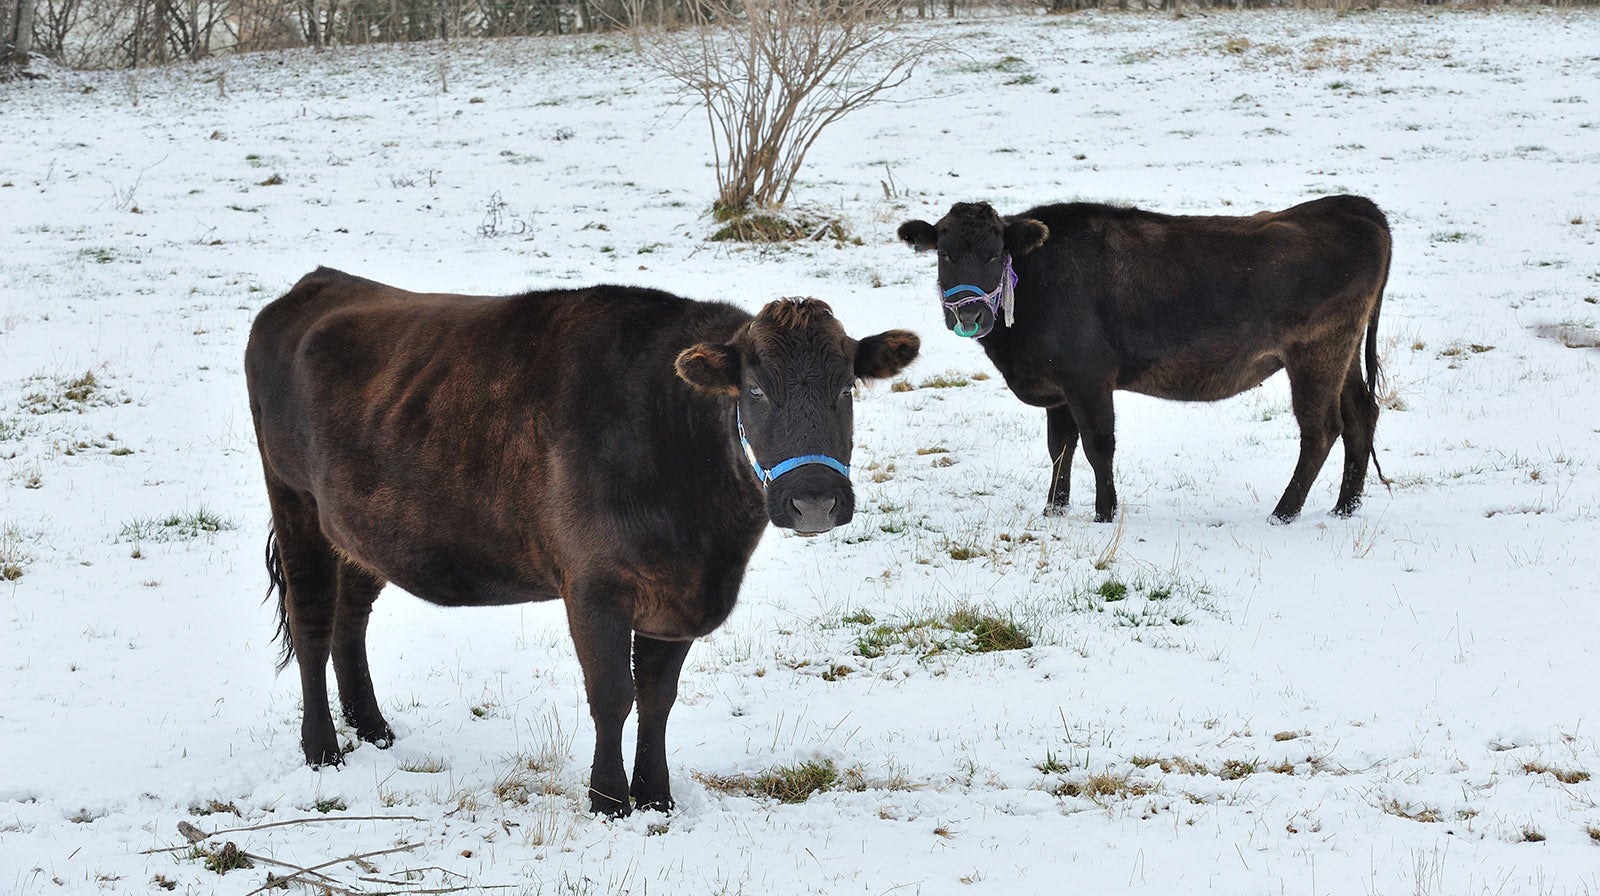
772,74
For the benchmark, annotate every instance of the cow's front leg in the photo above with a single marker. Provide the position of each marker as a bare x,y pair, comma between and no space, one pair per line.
601,634
656,665
1062,437
1096,420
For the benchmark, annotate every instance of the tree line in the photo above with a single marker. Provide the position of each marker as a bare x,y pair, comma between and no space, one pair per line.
136,33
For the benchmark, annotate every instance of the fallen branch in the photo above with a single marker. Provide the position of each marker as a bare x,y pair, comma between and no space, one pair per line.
302,872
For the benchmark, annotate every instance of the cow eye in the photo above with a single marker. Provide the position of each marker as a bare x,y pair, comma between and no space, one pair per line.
847,391
944,256
995,257
755,392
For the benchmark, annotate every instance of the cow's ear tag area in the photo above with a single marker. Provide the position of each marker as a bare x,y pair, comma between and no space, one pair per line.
885,354
919,235
710,368
1024,236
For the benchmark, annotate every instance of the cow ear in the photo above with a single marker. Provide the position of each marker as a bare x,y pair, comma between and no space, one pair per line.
1024,236
886,354
710,368
919,235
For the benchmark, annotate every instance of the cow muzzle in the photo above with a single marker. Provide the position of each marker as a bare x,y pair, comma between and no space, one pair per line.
811,500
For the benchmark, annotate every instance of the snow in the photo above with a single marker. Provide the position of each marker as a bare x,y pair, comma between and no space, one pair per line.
1335,706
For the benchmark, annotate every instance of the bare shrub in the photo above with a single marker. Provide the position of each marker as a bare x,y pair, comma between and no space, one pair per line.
772,74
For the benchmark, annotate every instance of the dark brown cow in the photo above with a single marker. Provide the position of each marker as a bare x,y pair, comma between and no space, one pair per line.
1099,298
620,449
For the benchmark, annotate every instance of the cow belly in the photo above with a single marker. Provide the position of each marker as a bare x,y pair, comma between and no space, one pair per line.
451,574
1191,378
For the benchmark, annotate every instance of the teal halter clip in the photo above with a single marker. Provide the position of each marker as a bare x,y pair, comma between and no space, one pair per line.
767,474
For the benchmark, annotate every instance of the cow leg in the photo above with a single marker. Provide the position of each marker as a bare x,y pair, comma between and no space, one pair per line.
656,665
602,637
1359,412
1316,377
309,596
358,588
1062,437
1096,419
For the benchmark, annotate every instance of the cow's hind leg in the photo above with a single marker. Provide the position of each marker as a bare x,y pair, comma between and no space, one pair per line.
1359,411
656,666
1062,437
1316,378
358,588
602,636
310,574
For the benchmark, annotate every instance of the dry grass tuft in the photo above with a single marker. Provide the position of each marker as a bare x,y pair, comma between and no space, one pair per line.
1564,775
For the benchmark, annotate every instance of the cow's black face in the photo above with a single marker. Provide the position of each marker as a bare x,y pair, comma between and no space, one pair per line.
794,372
975,247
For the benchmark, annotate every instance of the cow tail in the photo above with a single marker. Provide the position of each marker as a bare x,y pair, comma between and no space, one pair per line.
276,582
1374,369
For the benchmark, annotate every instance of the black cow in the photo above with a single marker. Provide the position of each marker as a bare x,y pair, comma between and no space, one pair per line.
1098,298
621,449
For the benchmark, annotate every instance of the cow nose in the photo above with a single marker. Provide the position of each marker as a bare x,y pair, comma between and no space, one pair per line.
813,515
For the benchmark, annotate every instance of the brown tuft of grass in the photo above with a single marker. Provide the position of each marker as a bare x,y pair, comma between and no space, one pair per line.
1423,814
1104,787
1174,765
1564,775
1234,769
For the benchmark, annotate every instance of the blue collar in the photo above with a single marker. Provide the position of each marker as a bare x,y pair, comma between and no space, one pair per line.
767,474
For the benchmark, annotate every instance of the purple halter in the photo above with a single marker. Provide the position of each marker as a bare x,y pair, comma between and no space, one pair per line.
1001,296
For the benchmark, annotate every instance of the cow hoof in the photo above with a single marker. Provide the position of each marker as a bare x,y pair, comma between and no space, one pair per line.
382,738
324,758
1345,511
660,804
600,804
1105,517
1055,509
1282,519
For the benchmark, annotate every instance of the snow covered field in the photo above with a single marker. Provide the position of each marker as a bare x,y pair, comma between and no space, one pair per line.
1399,703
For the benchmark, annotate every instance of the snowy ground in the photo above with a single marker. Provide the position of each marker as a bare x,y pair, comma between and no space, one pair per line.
1399,703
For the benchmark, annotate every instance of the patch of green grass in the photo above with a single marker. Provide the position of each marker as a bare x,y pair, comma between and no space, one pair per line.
1112,590
947,380
223,859
859,617
174,527
424,765
60,395
963,630
1053,764
329,804
1140,603
786,784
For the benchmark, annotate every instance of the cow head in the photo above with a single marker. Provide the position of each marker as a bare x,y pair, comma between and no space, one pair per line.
793,371
976,247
